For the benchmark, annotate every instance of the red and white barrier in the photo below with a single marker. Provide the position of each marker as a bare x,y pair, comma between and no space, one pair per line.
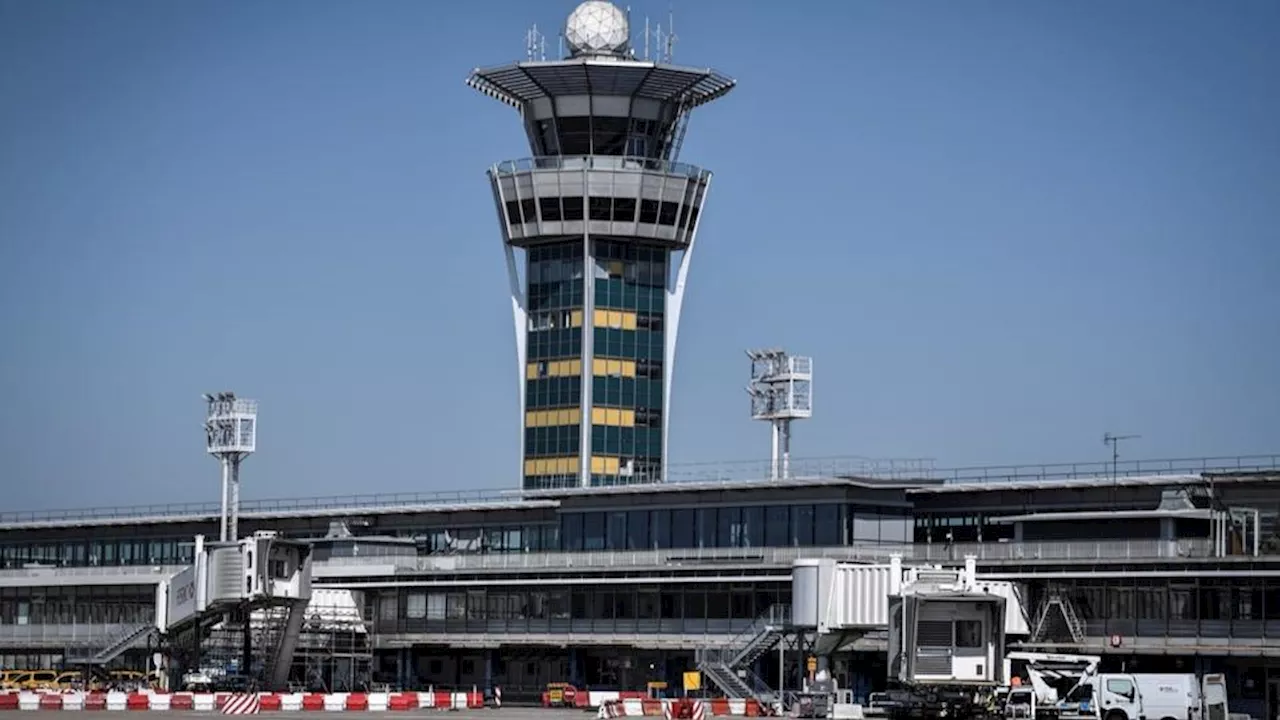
239,704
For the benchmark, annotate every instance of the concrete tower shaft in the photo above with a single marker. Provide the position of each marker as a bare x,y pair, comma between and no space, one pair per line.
606,220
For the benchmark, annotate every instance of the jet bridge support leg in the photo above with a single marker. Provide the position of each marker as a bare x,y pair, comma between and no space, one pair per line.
246,659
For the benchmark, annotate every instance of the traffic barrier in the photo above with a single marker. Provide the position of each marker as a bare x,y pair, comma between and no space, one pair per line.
335,702
182,701
8,701
28,701
403,701
73,701
357,701
134,701
204,702
161,702
241,704
291,702
497,696
95,701
268,702
50,702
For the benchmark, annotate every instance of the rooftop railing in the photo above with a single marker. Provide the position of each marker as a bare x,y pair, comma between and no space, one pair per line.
908,472
598,162
701,558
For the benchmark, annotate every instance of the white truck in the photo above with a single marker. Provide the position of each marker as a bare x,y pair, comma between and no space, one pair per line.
1146,696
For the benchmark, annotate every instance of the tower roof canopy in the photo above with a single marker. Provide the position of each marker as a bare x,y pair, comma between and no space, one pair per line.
522,83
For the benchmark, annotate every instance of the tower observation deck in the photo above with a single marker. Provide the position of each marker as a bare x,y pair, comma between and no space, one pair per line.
606,218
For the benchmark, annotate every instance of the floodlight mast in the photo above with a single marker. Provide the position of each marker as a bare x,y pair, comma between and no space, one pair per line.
781,390
231,435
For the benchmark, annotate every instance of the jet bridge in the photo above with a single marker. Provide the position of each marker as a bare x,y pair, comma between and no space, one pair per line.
224,590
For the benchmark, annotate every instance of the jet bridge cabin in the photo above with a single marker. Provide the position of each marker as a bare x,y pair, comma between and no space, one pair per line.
946,629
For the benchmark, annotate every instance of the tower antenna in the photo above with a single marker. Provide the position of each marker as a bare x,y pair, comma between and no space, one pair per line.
671,34
535,45
1113,441
781,390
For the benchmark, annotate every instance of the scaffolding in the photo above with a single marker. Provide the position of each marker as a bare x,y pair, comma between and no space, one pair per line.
333,651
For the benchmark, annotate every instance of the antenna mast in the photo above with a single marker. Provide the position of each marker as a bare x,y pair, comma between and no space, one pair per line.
1114,442
535,45
671,34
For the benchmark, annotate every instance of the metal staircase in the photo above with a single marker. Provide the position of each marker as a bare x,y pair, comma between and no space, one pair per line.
112,648
1066,611
728,666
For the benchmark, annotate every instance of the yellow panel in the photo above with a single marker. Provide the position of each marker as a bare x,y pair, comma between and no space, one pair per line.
615,319
530,467
575,318
616,268
531,372
612,417
530,418
575,367
627,418
611,466
597,465
601,318
597,416
539,467
628,321
599,367
575,416
628,368
614,368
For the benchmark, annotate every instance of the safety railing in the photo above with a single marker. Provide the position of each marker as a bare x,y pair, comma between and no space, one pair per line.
994,552
910,472
77,635
140,574
598,162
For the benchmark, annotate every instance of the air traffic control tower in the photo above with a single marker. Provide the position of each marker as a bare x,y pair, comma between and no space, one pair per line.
606,218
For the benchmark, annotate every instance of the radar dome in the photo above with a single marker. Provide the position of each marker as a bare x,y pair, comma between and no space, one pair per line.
597,27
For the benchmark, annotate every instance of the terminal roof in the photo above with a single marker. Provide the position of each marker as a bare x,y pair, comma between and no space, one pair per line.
521,83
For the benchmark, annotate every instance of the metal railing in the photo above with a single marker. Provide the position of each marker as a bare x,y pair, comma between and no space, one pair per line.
908,471
597,162
1011,552
69,575
72,635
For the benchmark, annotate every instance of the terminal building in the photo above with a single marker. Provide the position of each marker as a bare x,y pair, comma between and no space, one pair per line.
612,569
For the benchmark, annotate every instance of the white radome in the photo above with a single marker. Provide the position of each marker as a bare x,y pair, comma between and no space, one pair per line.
597,26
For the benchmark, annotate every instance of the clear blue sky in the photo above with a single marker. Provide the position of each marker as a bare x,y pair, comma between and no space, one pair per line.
1000,228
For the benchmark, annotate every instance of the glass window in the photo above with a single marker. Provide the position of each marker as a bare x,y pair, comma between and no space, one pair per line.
660,529
571,531
593,531
682,528
826,526
638,530
753,524
729,533
776,526
617,530
969,633
706,527
802,525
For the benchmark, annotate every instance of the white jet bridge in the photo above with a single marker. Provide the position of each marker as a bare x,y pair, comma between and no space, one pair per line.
262,577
